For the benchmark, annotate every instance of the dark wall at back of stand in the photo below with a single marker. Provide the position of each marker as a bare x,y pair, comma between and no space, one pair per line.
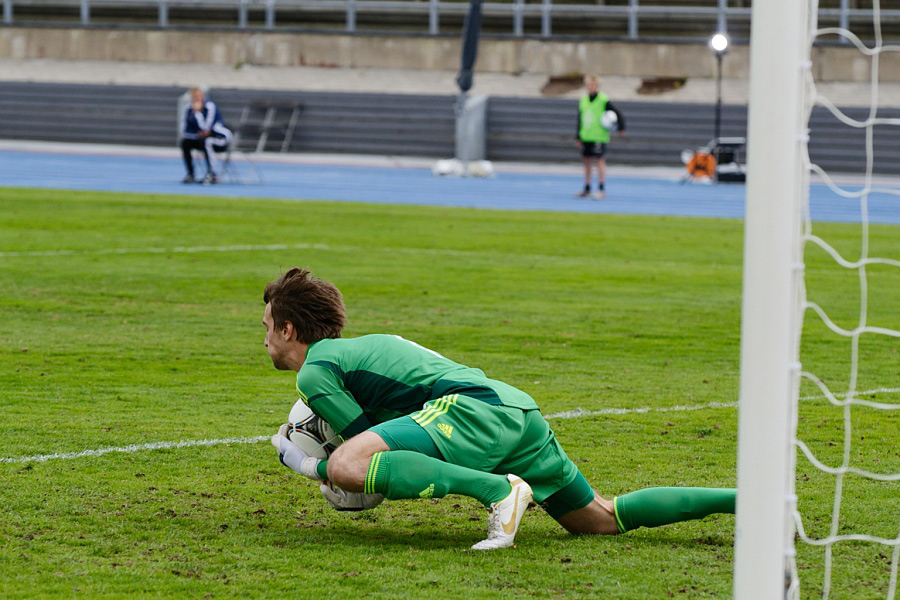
518,129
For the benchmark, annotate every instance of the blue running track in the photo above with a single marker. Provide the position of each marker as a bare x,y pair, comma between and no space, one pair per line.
406,181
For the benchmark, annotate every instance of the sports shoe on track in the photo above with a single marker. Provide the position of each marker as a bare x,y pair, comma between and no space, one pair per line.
188,179
210,178
583,194
598,195
505,516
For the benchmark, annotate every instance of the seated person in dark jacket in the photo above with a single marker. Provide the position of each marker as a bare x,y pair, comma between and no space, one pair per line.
203,130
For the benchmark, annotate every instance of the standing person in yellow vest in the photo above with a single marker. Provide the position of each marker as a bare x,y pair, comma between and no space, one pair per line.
593,136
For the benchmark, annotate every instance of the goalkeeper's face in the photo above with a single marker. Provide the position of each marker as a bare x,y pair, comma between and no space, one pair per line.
277,343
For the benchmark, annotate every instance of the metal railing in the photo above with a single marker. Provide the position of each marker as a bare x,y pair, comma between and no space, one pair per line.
627,19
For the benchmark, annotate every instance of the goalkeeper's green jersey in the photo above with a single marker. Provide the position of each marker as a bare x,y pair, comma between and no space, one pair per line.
359,382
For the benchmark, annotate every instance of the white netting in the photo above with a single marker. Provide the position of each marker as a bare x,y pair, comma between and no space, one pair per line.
847,421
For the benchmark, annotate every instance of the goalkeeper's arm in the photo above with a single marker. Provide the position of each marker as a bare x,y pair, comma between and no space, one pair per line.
309,466
293,457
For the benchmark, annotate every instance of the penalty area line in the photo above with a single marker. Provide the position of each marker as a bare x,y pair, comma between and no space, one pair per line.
567,414
580,412
174,250
570,414
137,448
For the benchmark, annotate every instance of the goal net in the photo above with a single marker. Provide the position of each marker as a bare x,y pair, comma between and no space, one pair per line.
818,505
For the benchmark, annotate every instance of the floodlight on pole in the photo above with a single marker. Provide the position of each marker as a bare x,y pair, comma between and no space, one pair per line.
719,44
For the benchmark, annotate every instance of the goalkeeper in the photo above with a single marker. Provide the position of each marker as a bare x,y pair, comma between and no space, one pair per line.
418,425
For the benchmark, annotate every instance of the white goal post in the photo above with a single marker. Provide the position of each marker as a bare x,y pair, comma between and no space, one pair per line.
777,181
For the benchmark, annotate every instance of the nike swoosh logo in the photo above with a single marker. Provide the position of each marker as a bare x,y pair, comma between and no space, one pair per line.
510,526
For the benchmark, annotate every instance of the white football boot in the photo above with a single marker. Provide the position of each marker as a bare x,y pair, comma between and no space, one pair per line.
505,516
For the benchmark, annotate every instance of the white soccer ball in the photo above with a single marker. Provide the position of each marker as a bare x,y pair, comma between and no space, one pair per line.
609,120
450,166
481,168
311,433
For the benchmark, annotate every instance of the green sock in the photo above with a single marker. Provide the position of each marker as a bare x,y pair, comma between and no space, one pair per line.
653,507
402,474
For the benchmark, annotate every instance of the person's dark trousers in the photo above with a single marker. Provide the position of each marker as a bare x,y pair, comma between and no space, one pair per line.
189,145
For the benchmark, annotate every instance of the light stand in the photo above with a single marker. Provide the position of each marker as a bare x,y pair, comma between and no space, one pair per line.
719,45
718,128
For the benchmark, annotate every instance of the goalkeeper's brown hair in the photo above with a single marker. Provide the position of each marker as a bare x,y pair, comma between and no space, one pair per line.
313,306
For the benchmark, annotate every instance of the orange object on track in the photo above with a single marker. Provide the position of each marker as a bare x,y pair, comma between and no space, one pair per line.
702,164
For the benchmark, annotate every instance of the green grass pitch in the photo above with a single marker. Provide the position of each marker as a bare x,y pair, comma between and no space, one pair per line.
129,319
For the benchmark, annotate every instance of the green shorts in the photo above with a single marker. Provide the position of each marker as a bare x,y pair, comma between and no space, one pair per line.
496,439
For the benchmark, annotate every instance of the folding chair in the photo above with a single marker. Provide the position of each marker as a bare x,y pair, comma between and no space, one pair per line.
264,121
243,171
264,126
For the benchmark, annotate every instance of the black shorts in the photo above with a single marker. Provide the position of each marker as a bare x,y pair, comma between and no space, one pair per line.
593,149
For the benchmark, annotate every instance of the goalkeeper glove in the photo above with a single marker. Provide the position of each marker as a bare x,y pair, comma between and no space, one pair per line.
293,457
343,500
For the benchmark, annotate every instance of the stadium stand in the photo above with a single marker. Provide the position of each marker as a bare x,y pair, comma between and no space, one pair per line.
412,125
136,115
612,19
518,129
539,129
685,18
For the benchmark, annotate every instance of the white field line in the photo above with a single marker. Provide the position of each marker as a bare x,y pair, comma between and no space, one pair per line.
258,247
247,248
571,414
561,259
580,412
568,414
136,448
174,250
